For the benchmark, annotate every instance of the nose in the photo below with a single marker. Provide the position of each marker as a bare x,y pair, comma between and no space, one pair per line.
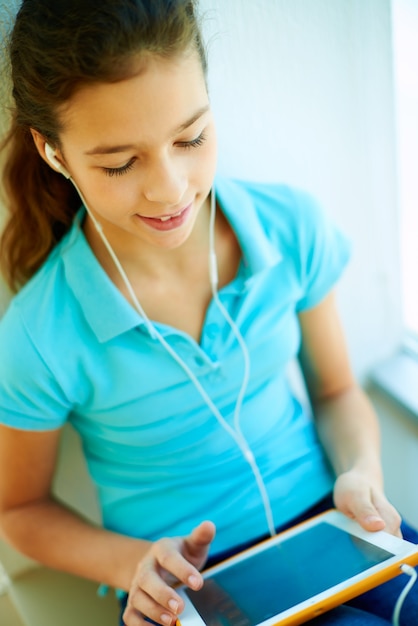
165,182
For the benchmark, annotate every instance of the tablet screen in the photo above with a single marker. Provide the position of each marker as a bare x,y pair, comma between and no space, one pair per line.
282,576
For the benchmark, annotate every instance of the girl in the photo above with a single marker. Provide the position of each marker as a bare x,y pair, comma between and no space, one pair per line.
118,240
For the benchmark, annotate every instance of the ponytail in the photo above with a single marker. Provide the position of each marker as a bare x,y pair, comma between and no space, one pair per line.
41,206
56,48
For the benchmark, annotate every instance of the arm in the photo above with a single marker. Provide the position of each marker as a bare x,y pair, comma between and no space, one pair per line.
45,530
346,423
42,528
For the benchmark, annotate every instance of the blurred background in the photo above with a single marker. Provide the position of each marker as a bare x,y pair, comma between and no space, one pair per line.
323,95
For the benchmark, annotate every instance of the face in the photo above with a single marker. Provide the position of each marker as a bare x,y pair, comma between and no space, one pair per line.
143,151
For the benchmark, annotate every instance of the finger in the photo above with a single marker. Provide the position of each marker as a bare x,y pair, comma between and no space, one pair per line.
369,518
361,508
202,535
172,561
150,583
141,605
389,514
134,618
196,545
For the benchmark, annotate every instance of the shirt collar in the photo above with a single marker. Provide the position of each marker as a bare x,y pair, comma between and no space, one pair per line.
237,204
107,311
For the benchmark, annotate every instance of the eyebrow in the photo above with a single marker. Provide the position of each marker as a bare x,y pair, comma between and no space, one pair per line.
106,149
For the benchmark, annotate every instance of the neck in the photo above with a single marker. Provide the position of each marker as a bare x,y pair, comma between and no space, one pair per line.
138,257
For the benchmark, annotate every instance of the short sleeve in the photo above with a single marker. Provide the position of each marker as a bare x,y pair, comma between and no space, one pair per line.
30,396
323,252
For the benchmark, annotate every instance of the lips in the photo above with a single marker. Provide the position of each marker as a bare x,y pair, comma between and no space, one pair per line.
167,222
165,218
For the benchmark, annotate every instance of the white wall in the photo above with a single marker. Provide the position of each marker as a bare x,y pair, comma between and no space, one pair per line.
303,93
406,70
399,453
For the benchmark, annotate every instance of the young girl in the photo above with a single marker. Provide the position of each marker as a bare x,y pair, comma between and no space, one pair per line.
158,309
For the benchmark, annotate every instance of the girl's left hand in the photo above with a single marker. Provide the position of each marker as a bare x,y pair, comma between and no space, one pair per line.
359,499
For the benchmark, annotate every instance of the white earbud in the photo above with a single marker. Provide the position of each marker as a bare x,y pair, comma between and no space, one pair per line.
52,158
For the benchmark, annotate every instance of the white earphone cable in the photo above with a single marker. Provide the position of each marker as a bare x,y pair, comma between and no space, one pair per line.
235,432
213,271
409,571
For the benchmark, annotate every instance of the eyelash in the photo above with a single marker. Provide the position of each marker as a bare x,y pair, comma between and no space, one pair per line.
120,171
195,143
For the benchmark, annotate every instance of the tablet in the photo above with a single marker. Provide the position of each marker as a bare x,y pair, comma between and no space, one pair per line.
296,575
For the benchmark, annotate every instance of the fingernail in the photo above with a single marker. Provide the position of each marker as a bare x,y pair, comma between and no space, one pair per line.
174,605
373,518
166,619
193,581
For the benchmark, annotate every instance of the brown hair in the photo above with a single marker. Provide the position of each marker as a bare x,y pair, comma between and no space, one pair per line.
56,47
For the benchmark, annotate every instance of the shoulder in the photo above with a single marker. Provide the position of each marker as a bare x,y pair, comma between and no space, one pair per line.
288,215
43,293
272,200
290,220
40,334
37,317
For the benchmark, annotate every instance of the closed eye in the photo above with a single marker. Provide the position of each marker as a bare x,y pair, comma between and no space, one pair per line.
119,171
194,143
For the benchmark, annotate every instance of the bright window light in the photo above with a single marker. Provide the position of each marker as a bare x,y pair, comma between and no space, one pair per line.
405,19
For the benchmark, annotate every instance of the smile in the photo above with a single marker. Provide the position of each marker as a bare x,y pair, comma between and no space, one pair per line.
169,217
167,222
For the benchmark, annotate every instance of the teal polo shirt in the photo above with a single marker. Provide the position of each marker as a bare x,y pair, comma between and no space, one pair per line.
73,349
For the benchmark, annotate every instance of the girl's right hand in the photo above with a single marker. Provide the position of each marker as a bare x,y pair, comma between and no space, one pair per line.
168,561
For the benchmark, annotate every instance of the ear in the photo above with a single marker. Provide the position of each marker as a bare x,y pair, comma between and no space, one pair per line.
41,143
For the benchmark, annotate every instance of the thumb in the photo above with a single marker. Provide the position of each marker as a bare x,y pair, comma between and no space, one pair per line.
197,543
196,546
368,516
201,536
